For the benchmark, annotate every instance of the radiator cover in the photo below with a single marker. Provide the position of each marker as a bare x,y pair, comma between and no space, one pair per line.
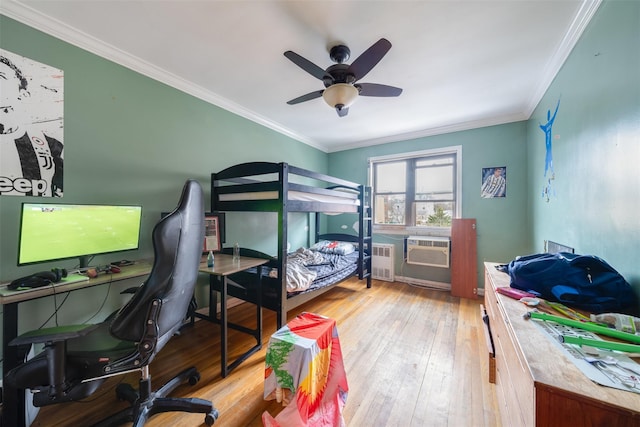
383,262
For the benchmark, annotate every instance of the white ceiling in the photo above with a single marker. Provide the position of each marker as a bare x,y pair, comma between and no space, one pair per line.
461,64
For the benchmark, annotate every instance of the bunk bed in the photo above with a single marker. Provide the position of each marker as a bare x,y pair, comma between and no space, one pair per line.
282,188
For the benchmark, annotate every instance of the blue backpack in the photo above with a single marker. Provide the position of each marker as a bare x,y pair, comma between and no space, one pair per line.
585,282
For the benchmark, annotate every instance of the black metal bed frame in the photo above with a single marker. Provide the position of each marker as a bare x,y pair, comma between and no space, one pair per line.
242,179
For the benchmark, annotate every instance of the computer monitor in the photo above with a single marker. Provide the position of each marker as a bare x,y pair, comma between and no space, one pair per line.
55,231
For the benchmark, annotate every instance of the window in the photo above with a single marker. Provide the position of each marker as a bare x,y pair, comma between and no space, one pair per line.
416,189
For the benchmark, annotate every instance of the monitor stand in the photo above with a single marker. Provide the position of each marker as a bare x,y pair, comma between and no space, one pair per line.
84,261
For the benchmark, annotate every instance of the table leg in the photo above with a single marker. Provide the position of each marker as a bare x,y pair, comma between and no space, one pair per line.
213,298
219,283
13,400
259,307
223,326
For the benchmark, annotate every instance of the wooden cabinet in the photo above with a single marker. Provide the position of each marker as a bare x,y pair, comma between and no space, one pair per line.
536,384
464,254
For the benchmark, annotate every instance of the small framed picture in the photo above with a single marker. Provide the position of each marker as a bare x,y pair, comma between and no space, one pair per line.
211,233
494,182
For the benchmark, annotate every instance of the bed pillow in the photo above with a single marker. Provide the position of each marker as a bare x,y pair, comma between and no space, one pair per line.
333,247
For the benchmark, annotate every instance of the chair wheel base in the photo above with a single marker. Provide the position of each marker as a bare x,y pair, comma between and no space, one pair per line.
211,417
127,393
193,379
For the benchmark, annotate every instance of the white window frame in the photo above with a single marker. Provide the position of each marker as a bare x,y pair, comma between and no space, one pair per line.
395,229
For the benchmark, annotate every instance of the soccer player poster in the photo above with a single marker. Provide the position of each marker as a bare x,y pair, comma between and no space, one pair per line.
31,127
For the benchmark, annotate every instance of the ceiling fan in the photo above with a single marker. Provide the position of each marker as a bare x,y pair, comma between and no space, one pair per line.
341,89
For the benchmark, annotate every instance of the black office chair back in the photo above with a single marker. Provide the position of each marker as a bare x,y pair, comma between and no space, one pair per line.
177,242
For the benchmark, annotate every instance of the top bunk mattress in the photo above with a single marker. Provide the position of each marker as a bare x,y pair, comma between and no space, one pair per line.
255,186
300,196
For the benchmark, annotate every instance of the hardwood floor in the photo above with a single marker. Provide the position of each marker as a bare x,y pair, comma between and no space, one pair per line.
413,357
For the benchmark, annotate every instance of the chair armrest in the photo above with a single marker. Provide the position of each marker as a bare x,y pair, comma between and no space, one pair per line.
56,334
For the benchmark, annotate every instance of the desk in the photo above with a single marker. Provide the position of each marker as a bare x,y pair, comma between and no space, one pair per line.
14,405
304,368
223,267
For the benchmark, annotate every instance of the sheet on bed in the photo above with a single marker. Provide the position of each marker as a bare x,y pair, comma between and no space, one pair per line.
308,269
299,277
333,277
335,268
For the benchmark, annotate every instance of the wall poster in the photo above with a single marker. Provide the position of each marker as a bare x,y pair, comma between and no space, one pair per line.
547,190
494,182
31,127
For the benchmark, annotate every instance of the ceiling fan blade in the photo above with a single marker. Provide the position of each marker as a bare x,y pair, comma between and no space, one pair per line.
308,97
374,89
307,65
369,58
342,111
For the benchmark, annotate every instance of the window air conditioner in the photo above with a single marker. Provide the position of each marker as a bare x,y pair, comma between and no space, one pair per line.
429,251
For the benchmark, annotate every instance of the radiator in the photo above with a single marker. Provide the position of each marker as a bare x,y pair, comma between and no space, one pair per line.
429,251
382,262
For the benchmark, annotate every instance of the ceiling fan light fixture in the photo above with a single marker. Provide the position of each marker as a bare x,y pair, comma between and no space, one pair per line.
340,95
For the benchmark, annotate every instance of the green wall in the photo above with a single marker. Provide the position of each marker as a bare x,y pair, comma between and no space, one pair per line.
501,222
596,145
132,140
596,153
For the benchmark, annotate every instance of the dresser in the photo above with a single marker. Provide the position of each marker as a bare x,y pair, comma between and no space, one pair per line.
536,384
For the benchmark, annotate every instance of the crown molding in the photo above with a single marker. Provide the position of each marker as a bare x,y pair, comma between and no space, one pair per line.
440,130
571,37
28,16
566,45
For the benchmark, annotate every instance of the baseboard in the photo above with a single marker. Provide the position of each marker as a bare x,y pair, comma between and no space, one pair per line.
430,284
424,283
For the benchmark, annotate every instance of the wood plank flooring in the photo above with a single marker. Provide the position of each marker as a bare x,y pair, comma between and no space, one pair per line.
413,357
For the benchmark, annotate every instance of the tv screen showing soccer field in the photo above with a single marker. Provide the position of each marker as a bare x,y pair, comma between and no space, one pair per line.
50,231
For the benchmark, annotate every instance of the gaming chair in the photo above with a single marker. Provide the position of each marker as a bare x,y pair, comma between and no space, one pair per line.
77,359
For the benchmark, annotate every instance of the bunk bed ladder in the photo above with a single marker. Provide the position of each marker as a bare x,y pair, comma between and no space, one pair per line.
283,177
364,235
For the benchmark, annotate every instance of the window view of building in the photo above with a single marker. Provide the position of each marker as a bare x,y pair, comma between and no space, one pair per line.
415,191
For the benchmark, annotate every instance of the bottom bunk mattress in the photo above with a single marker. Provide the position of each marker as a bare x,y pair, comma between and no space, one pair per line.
309,269
335,268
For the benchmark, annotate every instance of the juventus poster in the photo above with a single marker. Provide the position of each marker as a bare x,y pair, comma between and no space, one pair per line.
31,127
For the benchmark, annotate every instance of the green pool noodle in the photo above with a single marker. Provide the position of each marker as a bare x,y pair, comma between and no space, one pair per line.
592,327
